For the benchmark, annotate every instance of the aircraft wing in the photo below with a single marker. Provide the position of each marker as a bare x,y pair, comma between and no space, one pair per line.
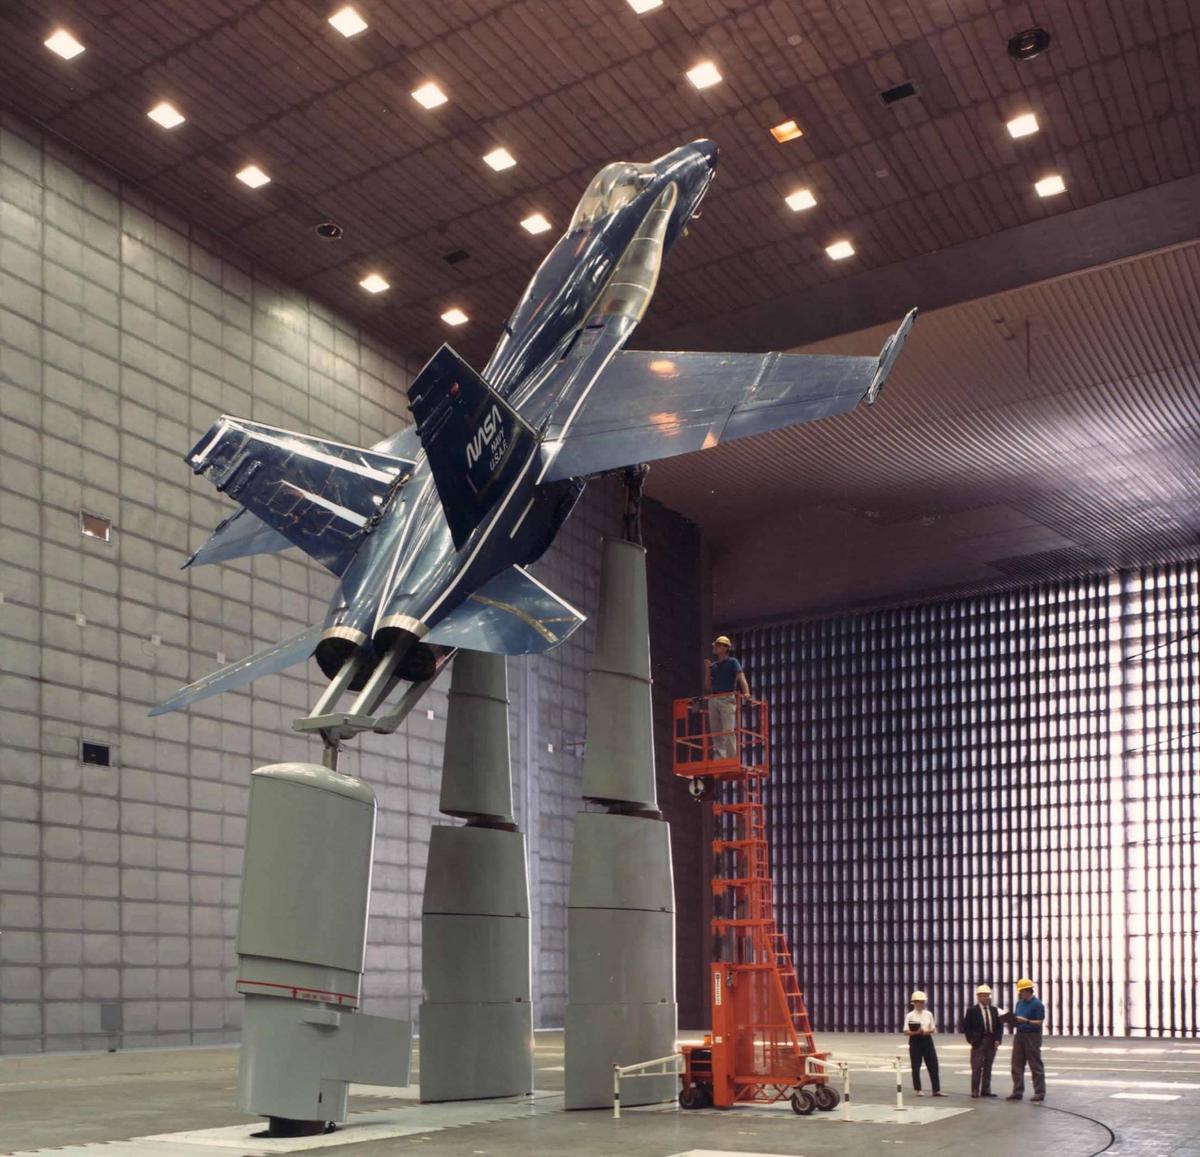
319,495
647,405
244,534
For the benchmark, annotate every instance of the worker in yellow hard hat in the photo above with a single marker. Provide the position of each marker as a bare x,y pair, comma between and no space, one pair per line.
724,679
919,1027
1029,1016
983,1026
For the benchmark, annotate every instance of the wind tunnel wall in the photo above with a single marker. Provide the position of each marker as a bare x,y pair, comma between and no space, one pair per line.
123,333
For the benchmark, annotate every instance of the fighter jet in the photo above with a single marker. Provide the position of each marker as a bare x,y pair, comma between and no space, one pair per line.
431,530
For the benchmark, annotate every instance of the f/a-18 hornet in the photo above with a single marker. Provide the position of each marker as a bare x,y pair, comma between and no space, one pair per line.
430,531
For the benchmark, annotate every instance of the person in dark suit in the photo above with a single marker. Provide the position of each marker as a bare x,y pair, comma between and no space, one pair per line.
983,1026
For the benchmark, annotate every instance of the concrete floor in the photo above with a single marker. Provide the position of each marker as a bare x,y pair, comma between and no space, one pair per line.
47,1102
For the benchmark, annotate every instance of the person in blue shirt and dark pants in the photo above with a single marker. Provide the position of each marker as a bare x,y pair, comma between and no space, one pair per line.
1028,1018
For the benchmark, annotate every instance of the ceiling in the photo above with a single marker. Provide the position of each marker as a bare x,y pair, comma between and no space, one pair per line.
1048,431
568,85
1042,419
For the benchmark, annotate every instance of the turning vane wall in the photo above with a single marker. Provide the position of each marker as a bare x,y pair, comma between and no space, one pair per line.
988,788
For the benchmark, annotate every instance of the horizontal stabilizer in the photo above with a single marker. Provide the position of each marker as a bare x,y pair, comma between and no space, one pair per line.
229,678
242,534
511,614
475,442
322,496
651,405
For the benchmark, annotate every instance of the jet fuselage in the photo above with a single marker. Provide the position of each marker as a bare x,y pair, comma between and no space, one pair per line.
578,311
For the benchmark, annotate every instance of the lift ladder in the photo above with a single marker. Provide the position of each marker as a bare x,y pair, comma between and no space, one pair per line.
761,1034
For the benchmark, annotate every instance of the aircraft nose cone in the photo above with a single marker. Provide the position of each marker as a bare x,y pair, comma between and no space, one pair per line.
708,150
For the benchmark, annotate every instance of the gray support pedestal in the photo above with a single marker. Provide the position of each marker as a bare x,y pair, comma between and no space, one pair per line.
301,939
618,761
476,1019
476,776
621,910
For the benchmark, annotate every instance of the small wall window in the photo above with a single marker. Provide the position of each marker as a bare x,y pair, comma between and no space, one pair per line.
99,754
95,526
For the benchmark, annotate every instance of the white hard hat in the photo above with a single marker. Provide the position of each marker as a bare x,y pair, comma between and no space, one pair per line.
983,990
918,995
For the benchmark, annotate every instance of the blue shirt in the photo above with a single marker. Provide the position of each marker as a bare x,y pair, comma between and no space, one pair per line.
1032,1008
724,675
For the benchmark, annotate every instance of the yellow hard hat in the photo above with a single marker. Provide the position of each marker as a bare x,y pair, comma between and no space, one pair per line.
1024,982
918,995
983,990
722,639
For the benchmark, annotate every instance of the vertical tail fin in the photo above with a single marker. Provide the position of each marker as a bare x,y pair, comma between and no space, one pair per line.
476,443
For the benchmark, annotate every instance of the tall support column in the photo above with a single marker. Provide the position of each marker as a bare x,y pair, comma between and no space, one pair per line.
477,1018
621,909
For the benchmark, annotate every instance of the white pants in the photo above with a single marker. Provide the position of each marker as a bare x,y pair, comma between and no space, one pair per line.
722,719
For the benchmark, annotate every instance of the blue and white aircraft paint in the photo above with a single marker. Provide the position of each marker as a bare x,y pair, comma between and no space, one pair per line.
430,531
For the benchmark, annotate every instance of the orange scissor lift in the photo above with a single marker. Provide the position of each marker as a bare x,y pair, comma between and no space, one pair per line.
761,1037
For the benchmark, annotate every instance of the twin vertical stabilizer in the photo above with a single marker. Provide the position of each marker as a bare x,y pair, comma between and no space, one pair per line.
475,441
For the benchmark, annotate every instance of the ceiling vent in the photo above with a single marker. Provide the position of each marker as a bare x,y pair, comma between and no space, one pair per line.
899,93
1029,43
455,256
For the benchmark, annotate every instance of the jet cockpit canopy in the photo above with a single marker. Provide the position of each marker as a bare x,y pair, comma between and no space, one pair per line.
614,186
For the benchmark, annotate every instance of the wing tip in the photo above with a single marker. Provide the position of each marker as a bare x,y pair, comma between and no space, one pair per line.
888,355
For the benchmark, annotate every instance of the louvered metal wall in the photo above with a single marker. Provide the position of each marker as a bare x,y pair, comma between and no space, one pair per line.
1161,800
956,798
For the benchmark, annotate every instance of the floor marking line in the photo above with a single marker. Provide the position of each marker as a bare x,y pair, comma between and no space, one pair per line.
1144,1097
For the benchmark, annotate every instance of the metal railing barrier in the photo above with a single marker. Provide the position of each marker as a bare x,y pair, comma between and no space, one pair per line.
813,1065
644,1069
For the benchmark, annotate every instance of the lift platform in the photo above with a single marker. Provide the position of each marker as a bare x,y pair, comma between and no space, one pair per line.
761,1039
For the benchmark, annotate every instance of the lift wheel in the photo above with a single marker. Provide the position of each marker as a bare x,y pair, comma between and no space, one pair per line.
803,1102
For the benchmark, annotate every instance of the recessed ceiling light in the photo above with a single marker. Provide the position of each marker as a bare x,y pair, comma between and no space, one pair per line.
373,283
788,131
535,223
640,6
167,115
429,95
454,316
1023,126
64,44
840,250
1051,186
347,21
704,75
253,176
500,159
800,199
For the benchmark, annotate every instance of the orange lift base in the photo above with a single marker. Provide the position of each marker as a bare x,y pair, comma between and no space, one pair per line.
761,1036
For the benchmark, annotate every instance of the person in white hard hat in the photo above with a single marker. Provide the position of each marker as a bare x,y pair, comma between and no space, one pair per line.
723,679
983,1026
919,1027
